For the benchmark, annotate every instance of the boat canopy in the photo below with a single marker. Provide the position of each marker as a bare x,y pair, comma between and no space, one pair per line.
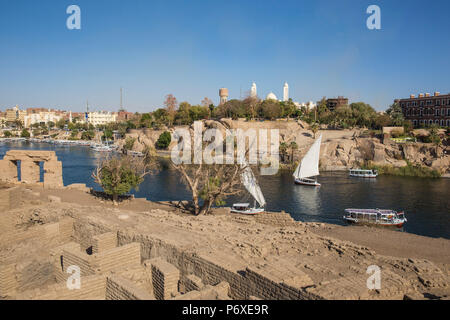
241,205
309,166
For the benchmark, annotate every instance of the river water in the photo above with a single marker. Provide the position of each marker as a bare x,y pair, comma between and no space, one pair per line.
425,201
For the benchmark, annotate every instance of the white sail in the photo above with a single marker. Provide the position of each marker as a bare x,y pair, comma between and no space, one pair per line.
309,167
249,181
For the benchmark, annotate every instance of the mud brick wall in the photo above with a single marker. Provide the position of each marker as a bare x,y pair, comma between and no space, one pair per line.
267,287
244,282
8,282
72,256
218,292
165,279
190,283
56,254
277,219
9,198
92,288
127,256
104,242
118,288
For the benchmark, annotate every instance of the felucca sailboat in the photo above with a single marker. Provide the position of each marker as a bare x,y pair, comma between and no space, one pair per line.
249,181
309,167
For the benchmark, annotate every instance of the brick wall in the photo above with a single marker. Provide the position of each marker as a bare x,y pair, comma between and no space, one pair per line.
8,199
104,242
165,279
8,283
118,288
127,256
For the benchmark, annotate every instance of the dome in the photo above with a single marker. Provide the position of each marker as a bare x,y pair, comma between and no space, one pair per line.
271,96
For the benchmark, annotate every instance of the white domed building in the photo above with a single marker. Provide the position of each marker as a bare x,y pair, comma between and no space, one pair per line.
271,96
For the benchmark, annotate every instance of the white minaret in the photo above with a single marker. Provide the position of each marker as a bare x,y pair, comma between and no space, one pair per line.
253,91
285,92
70,116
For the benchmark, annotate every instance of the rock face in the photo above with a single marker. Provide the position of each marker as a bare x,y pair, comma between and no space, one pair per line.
341,149
30,167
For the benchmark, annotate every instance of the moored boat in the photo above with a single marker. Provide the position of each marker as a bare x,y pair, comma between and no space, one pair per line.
249,181
309,166
379,217
360,173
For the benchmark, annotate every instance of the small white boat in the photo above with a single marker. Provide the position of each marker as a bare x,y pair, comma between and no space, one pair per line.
379,217
360,173
249,181
102,149
309,166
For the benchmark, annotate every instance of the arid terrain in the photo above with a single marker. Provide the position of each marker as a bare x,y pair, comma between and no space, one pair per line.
146,250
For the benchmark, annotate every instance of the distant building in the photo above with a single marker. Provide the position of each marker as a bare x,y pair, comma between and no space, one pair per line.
123,115
223,94
334,103
41,117
100,118
253,91
271,96
2,119
426,110
285,92
308,105
15,114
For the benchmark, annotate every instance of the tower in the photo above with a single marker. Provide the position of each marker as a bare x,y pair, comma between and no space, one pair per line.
253,91
223,94
285,92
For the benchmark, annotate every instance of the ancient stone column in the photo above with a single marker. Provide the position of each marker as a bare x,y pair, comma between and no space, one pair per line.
8,170
53,173
30,171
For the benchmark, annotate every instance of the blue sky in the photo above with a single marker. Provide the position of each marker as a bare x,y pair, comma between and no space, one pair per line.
192,48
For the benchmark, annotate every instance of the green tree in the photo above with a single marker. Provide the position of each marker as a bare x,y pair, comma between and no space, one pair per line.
88,135
396,114
129,143
293,146
7,134
25,133
119,175
314,128
164,140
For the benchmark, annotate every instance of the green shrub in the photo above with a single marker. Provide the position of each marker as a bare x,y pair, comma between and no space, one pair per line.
25,134
129,143
164,140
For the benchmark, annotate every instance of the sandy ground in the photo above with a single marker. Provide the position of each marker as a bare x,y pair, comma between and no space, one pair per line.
383,241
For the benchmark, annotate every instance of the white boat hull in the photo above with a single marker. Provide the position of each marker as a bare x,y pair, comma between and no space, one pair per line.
250,211
307,182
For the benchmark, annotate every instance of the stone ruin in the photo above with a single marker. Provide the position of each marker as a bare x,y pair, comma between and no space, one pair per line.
30,167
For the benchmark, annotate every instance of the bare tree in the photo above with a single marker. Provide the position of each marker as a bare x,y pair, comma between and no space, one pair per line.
211,183
171,104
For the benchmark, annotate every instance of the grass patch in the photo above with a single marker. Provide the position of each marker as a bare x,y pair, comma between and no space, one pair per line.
409,170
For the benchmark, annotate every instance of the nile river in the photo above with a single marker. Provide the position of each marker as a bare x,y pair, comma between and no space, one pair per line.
425,201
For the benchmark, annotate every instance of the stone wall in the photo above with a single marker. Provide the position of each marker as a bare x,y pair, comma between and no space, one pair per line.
30,167
9,198
165,279
118,288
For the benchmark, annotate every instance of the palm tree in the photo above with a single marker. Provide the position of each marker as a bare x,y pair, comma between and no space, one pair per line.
314,128
293,146
283,150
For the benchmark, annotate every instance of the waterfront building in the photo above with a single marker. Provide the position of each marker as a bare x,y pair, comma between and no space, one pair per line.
308,105
426,110
40,117
15,114
100,118
2,119
334,103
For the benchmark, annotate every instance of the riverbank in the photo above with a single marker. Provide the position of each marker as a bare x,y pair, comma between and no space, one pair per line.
270,256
